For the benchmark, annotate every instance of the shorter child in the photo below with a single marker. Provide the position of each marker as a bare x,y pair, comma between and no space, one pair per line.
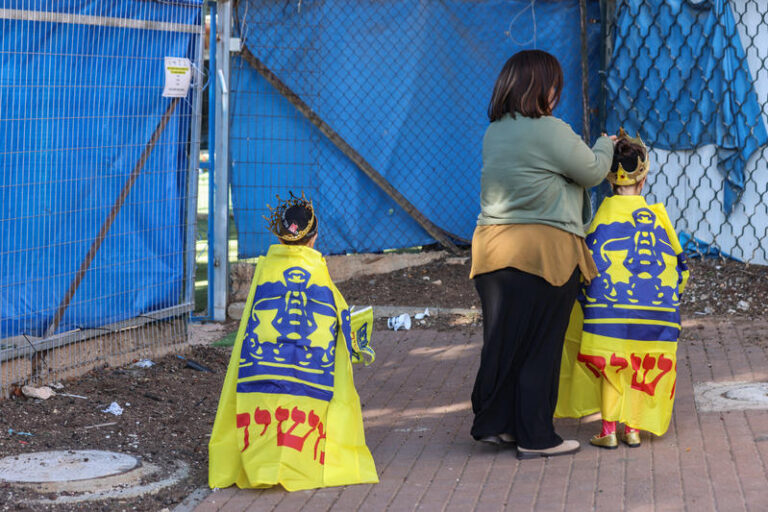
289,413
626,365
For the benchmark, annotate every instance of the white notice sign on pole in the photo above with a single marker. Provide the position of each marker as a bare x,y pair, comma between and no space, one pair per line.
178,75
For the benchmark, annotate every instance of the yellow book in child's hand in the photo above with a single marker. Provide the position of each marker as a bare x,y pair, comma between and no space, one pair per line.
362,328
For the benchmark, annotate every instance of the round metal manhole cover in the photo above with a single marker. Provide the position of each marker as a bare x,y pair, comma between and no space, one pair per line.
64,466
731,396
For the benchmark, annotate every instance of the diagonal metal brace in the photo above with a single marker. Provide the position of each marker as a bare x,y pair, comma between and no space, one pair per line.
436,232
75,284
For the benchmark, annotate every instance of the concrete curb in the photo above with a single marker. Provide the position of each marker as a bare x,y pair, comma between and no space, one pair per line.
191,502
389,311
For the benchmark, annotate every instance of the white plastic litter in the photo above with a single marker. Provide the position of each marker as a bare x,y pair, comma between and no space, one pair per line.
421,316
114,408
144,363
400,322
73,396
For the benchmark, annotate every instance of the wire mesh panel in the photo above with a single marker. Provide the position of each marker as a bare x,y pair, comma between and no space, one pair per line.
691,78
358,102
272,150
99,133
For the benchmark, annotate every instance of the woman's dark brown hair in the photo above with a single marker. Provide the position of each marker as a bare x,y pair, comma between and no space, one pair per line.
524,86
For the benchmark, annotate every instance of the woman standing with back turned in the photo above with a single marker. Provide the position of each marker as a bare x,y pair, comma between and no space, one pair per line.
528,251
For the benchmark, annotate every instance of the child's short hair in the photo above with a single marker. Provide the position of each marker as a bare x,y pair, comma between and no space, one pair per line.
630,160
293,220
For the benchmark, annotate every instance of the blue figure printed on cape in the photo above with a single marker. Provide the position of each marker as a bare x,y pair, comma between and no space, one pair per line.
362,336
346,328
299,352
645,244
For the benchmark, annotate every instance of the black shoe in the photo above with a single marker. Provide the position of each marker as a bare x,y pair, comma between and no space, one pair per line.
507,438
492,440
499,440
565,448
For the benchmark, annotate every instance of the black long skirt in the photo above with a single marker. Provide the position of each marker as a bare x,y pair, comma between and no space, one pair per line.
524,324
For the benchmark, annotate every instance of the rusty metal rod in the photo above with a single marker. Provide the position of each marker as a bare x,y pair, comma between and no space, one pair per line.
436,232
584,70
75,284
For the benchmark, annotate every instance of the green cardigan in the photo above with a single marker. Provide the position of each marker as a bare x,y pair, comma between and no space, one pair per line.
537,171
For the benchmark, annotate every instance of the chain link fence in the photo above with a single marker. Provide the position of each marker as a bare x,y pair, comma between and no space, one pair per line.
691,77
97,211
350,103
377,110
272,149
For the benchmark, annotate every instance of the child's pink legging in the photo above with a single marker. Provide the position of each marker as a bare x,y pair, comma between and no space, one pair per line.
609,427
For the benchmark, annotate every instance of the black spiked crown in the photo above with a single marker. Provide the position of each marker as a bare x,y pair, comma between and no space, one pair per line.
293,219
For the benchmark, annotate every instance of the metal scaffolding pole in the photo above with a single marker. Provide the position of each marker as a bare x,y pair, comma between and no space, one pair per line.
194,165
220,209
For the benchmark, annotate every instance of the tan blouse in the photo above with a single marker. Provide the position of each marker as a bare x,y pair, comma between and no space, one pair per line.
538,249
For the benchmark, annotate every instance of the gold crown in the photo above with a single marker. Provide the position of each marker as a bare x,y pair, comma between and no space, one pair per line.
290,232
622,176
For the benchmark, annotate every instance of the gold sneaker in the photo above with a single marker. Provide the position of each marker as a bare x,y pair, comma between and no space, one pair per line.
608,441
631,439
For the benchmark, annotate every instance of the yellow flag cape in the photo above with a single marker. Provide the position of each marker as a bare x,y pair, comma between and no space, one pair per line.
289,413
619,355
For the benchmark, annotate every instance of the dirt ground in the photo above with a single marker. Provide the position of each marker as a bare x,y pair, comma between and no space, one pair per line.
172,406
716,287
169,418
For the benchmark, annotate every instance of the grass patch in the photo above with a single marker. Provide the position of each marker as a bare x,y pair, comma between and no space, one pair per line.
201,244
226,341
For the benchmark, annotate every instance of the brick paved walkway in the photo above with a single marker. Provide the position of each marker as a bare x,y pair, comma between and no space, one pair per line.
417,418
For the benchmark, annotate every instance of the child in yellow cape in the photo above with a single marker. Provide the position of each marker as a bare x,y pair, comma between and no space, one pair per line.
619,356
289,413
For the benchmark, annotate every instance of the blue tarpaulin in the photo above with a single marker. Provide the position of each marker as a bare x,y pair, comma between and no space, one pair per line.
679,78
78,104
406,83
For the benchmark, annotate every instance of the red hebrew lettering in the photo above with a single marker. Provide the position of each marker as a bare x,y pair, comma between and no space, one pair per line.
298,415
288,438
262,417
243,420
665,364
281,414
595,364
619,362
674,384
314,421
648,364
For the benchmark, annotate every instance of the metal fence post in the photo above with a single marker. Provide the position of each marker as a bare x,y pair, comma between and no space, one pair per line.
607,12
219,237
190,245
210,165
584,71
